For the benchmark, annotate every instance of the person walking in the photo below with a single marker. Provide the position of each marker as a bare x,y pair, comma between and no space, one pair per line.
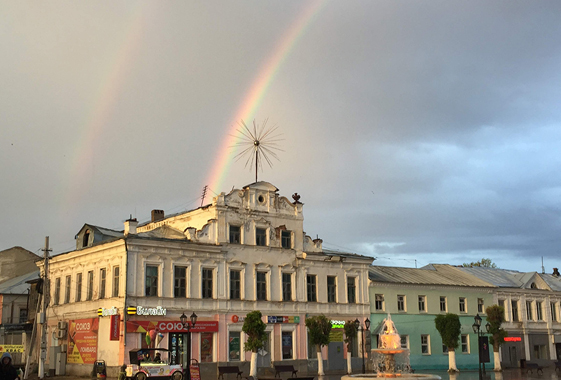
7,370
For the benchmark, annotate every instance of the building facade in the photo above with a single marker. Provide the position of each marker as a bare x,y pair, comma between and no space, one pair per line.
121,290
414,297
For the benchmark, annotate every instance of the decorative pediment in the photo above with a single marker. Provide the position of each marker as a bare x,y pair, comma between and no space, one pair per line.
236,263
262,266
536,282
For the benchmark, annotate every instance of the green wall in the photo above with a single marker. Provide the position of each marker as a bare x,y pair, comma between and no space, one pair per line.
414,323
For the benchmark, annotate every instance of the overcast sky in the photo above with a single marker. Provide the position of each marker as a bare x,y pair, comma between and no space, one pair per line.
415,131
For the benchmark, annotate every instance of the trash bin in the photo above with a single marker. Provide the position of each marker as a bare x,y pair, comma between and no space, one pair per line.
100,369
522,363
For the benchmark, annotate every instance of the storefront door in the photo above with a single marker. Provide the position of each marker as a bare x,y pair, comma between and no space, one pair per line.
264,355
178,348
513,358
335,356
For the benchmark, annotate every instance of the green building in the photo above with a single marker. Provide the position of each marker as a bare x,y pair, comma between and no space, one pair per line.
414,297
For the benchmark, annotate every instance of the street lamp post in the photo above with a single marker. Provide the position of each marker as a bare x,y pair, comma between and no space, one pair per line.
188,326
360,328
480,333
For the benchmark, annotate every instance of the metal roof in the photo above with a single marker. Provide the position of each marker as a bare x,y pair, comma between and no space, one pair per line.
503,278
18,285
434,274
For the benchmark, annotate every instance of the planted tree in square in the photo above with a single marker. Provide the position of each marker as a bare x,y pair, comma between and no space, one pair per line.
319,328
254,328
450,329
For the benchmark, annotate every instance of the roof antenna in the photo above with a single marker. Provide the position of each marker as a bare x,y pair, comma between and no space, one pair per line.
543,269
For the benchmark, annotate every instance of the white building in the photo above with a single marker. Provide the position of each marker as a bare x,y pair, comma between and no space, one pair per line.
246,251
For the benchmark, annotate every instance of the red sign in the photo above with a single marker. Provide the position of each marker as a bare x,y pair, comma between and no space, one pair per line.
513,339
115,327
171,326
195,372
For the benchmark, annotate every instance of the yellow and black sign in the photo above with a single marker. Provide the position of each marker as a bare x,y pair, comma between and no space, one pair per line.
131,310
11,348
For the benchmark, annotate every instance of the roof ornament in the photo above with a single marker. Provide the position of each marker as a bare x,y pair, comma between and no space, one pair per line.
257,144
296,198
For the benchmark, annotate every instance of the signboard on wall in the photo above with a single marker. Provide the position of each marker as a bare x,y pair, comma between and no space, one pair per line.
114,327
171,326
282,319
82,341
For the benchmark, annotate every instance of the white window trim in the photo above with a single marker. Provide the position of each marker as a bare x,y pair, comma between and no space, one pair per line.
242,232
291,272
291,329
428,345
404,303
265,268
424,310
445,304
214,348
243,338
467,342
267,235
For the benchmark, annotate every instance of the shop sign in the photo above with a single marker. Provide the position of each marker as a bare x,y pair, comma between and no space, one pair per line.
237,319
82,341
103,312
141,310
282,319
114,328
11,348
200,326
195,372
337,324
513,339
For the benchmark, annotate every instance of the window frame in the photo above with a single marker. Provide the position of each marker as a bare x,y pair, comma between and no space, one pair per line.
422,299
539,311
379,303
78,295
261,290
553,310
462,304
232,234
464,344
89,286
515,310
155,279
235,285
529,311
443,306
426,344
481,306
116,281
401,303
56,297
102,282
286,239
351,289
286,287
311,288
332,289
67,287
261,234
205,281
180,283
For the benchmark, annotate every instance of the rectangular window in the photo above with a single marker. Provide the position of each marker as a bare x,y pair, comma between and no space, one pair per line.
116,280
425,344
553,307
539,310
180,282
287,287
151,281
207,277
56,299
102,280
404,341
480,306
444,349
261,286
261,236
235,234
515,316
502,304
235,284
443,304
540,351
89,291
287,352
22,315
331,289
234,346
286,239
78,287
67,290
422,304
311,286
529,314
464,339
400,303
379,302
462,305
351,289
207,347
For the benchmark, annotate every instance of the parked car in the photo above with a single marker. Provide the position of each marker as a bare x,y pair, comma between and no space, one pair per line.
152,362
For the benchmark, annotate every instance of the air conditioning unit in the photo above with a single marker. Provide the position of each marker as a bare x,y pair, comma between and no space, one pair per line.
62,325
63,347
61,334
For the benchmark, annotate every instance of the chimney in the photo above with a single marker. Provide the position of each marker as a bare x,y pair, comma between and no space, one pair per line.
556,272
157,215
130,226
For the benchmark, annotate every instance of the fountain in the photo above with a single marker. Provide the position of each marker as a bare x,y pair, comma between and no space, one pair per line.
389,345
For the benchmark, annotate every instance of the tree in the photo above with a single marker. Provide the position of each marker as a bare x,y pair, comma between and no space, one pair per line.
484,263
319,328
351,331
254,328
450,328
496,317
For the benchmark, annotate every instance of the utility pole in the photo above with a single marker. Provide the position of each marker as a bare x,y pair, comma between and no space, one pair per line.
204,195
43,315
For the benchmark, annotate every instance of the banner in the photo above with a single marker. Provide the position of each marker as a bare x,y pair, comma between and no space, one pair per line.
11,348
114,327
82,341
170,326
